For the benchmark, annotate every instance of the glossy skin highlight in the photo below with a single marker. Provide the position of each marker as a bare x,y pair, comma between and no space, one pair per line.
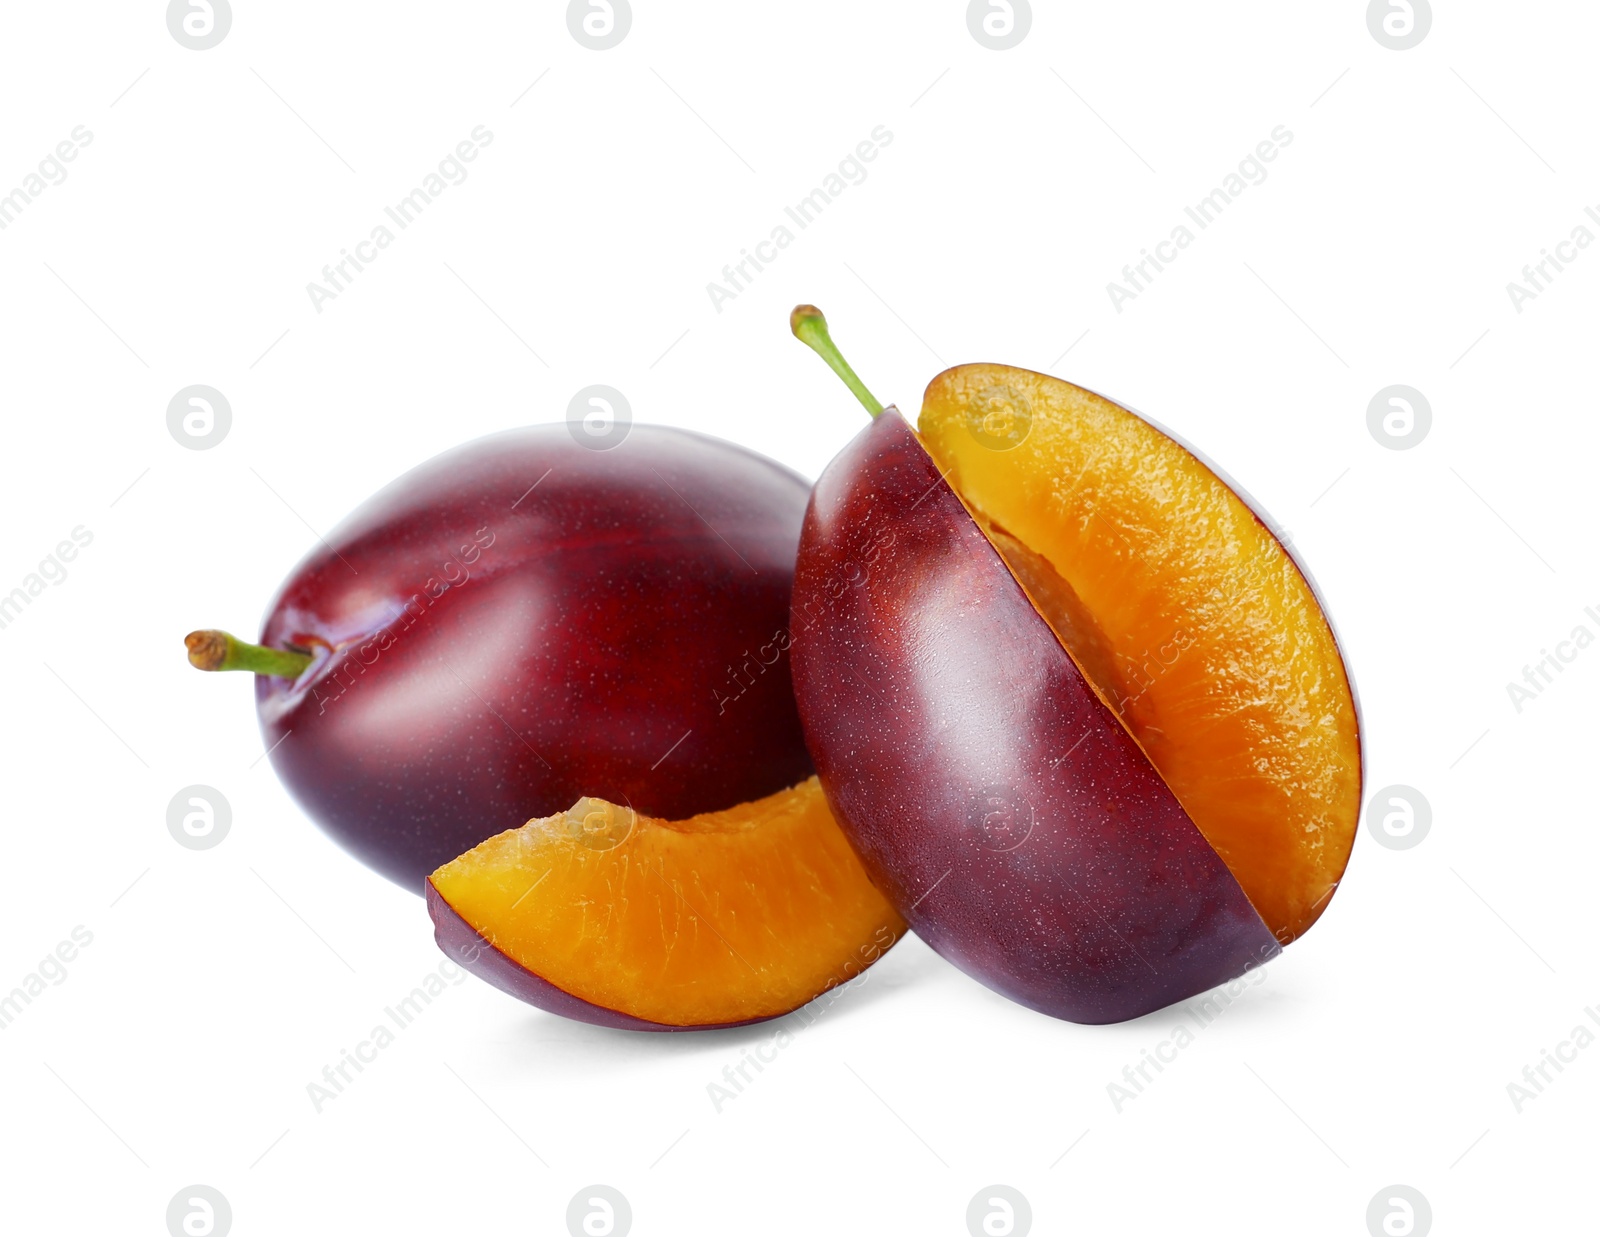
523,621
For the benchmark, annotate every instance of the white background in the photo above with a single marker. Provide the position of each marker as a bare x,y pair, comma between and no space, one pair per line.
219,983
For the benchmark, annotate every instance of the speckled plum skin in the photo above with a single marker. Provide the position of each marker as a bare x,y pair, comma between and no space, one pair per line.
468,947
992,795
525,620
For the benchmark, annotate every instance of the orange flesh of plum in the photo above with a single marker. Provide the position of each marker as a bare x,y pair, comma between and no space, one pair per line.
725,917
1191,620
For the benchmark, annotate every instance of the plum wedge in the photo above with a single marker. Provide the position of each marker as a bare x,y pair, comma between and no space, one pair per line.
611,917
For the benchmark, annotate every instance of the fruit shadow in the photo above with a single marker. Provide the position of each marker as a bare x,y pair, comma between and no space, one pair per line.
1206,1009
606,1047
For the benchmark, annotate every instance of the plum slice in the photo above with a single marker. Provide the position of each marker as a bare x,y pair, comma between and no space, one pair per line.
608,916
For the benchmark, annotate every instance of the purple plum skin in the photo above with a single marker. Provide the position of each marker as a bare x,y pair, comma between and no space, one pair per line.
466,946
991,794
526,620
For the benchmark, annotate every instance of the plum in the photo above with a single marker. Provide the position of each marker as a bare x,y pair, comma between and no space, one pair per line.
1075,705
523,621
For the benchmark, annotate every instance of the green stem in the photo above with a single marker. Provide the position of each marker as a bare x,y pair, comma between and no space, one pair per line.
811,329
217,650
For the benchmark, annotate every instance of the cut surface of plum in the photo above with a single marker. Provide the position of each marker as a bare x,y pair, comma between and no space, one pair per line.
1190,618
613,917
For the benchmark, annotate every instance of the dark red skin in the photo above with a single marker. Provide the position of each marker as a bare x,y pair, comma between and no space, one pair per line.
468,947
595,618
944,715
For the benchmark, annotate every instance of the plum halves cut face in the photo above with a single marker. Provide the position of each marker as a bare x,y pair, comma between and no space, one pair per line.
623,920
1191,619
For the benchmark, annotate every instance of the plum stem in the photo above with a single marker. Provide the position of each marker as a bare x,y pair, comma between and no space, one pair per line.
811,329
217,650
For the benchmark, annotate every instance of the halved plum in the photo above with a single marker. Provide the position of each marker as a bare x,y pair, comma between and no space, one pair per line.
1108,688
611,917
